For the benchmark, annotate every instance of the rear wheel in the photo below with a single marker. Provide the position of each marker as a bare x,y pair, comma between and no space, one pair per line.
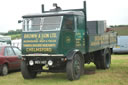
4,70
106,59
26,72
74,68
103,59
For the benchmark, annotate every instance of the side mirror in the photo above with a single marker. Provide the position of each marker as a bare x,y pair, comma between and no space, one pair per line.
19,21
19,57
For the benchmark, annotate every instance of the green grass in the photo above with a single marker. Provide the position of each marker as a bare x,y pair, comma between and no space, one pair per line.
121,30
116,75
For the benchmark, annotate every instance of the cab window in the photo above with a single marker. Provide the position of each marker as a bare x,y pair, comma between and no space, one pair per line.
68,23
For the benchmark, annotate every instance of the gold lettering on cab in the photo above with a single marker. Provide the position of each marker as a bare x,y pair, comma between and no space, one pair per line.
30,35
43,35
44,42
36,38
49,35
39,45
38,49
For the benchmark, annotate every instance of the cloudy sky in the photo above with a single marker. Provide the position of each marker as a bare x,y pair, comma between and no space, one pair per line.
115,12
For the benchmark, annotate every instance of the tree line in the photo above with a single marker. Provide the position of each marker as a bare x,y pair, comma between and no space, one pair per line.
12,32
112,26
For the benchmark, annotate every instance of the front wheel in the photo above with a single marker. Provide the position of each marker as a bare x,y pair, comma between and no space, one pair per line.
74,68
4,70
26,72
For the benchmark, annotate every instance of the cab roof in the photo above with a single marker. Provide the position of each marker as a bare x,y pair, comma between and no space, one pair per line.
60,13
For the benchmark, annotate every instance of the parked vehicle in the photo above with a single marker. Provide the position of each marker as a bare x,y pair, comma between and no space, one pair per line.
5,40
63,41
122,45
9,59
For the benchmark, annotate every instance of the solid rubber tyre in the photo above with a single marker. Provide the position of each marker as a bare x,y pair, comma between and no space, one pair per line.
26,72
106,59
74,68
102,59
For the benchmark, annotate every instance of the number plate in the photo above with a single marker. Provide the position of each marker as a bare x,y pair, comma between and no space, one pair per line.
40,62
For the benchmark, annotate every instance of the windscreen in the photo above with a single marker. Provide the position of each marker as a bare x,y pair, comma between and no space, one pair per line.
42,23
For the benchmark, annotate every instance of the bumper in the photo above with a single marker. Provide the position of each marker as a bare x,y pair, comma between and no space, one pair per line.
38,63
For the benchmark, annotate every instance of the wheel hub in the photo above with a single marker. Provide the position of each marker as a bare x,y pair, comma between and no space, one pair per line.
77,67
5,70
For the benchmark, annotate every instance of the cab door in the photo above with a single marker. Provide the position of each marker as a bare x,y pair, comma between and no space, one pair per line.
68,33
80,33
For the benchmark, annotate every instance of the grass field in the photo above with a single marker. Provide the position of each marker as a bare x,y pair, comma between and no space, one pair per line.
116,75
121,30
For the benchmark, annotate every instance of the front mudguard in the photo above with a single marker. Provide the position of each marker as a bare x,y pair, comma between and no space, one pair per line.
71,54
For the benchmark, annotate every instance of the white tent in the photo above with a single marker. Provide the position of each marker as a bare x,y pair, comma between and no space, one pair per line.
17,43
122,45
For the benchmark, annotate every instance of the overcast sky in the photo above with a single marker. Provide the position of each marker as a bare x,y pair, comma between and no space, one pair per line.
115,12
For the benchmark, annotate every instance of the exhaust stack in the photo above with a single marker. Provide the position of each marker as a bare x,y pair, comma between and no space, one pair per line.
42,8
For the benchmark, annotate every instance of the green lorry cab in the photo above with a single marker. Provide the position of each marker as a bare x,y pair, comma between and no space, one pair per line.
63,41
